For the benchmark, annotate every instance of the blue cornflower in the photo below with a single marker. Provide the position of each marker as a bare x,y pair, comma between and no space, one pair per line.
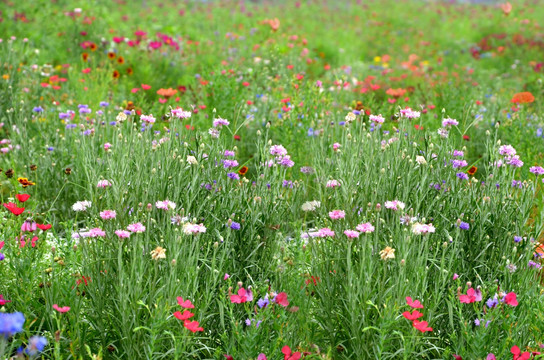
492,302
71,126
38,109
104,104
11,323
2,256
50,148
36,344
464,226
517,238
113,123
263,302
235,226
127,112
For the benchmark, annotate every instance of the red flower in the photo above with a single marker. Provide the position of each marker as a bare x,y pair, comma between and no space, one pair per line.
457,357
288,355
43,226
518,355
242,297
228,357
192,326
23,197
466,137
245,83
3,301
14,209
185,316
510,299
187,304
281,299
422,326
415,304
237,137
413,316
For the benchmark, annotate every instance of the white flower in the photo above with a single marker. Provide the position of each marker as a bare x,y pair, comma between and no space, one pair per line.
81,205
421,160
311,205
192,160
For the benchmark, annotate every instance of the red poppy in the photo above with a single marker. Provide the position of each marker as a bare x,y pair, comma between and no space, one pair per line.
412,316
289,355
281,299
418,127
185,316
237,137
466,137
187,304
422,326
192,326
414,304
44,227
523,97
14,209
518,355
23,197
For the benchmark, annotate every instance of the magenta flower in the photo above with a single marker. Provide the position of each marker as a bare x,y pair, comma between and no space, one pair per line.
351,234
122,234
471,296
365,228
61,310
108,214
136,228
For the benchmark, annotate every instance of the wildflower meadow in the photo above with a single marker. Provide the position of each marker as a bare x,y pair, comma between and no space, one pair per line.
355,179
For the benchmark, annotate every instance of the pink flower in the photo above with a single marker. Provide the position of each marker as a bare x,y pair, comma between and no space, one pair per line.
412,316
422,326
123,234
165,205
378,119
107,146
351,234
148,119
108,214
226,276
510,299
103,184
337,214
3,301
365,228
185,316
394,205
414,304
336,146
278,150
333,184
471,296
62,310
281,299
242,297
326,232
136,228
455,276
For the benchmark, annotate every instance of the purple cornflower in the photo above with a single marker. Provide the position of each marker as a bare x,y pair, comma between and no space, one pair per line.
263,302
515,161
228,153
287,183
227,164
534,264
517,183
517,238
492,302
11,323
307,170
2,256
458,153
64,116
104,104
235,226
286,161
458,163
462,176
127,112
50,148
71,126
464,226
537,170
85,110
233,176
38,109
113,123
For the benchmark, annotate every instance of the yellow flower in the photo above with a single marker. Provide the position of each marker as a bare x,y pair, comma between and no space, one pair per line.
387,253
158,253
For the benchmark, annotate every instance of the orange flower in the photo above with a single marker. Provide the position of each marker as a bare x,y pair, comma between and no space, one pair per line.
472,170
120,60
523,97
85,56
130,71
243,170
116,74
167,92
93,47
396,92
111,55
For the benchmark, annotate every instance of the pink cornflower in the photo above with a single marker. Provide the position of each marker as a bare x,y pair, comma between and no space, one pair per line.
351,234
136,228
148,119
365,228
378,119
449,122
108,214
107,146
103,184
278,150
122,234
326,232
181,114
165,205
94,233
394,205
337,214
220,122
409,113
422,229
333,183
336,146
507,150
